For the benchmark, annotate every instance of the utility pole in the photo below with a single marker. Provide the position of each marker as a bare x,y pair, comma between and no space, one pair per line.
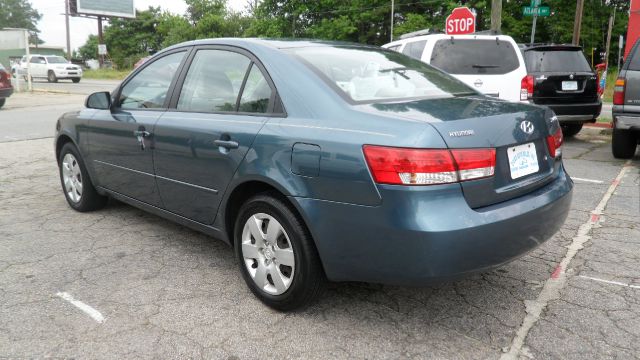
100,42
66,19
612,18
392,15
496,15
577,25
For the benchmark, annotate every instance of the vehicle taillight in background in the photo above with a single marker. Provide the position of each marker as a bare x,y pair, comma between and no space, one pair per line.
618,92
554,142
526,87
406,166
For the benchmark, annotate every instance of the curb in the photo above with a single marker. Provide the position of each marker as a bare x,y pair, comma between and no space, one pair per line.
51,91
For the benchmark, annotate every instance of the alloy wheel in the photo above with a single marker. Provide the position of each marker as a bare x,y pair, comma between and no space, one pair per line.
268,254
72,178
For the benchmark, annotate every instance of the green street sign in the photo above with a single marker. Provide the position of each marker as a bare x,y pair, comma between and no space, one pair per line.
542,11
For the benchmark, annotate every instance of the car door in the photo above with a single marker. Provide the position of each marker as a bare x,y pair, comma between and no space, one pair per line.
38,66
121,139
225,99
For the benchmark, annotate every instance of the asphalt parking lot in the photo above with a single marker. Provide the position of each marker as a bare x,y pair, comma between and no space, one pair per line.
153,289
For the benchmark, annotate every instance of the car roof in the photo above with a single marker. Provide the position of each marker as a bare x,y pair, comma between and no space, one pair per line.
547,47
477,36
271,43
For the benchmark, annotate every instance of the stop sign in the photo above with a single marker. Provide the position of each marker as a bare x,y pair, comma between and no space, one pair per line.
461,21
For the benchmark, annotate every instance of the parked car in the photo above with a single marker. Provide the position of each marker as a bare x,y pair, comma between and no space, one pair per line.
50,67
491,64
383,169
560,77
626,107
6,89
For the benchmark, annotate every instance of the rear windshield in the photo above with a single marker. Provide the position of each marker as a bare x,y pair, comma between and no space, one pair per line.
474,56
556,61
369,75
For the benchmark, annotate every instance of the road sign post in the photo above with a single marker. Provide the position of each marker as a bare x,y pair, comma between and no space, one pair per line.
535,10
461,21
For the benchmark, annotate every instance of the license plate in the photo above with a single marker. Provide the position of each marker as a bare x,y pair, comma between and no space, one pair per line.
523,160
569,85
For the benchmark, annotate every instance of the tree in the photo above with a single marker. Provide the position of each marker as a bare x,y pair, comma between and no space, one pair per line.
128,40
19,14
89,50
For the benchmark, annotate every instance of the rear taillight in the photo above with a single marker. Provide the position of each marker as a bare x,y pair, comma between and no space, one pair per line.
618,92
554,142
406,166
526,87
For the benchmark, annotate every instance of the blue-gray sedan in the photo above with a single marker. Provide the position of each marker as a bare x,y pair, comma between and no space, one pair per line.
320,160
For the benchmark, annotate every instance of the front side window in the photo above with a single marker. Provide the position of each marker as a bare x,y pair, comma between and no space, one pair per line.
148,88
371,75
213,81
37,60
475,57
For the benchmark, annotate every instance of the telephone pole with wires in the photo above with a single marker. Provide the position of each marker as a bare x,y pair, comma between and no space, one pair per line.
577,25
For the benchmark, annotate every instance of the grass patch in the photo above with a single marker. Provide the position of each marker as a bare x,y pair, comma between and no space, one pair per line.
106,74
604,120
612,75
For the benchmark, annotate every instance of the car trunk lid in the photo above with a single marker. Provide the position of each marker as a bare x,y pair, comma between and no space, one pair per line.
479,122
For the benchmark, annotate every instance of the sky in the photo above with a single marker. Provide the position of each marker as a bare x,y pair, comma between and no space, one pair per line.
52,26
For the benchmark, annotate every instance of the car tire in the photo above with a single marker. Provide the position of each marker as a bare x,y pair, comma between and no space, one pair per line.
76,184
76,80
569,130
2,101
286,265
51,77
623,143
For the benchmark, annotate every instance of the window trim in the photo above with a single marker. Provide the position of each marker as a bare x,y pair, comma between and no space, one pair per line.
253,60
115,99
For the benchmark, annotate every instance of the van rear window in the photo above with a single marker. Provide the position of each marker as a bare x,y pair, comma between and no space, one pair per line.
474,56
556,61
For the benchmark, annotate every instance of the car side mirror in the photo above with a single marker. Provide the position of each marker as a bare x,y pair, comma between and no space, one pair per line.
99,100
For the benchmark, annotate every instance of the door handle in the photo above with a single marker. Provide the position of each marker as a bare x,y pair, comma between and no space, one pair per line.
228,144
140,135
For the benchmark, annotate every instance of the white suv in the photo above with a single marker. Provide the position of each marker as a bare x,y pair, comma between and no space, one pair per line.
50,67
491,64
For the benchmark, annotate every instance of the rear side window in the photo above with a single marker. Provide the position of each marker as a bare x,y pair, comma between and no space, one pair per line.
213,82
256,93
474,57
414,49
556,61
634,63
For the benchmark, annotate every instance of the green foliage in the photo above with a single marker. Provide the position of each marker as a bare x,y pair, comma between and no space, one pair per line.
90,48
19,14
364,21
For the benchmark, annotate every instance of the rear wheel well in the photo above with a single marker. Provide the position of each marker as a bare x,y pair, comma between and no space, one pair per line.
241,194
62,140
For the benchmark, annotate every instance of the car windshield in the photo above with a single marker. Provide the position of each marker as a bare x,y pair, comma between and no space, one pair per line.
556,61
475,56
56,60
372,75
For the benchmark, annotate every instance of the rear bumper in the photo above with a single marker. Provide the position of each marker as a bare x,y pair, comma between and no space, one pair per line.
5,92
625,121
419,237
588,112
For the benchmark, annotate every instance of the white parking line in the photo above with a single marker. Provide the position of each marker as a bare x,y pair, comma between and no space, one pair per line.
557,280
587,180
610,282
93,313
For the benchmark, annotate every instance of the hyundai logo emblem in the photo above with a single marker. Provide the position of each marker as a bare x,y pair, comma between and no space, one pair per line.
527,127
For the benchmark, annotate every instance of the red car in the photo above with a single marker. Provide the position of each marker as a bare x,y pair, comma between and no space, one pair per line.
6,89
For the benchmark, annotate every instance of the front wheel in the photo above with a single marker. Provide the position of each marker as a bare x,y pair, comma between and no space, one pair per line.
569,130
277,256
2,101
76,80
76,184
51,77
623,143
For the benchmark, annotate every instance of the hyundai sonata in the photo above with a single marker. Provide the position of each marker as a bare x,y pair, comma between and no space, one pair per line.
321,161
